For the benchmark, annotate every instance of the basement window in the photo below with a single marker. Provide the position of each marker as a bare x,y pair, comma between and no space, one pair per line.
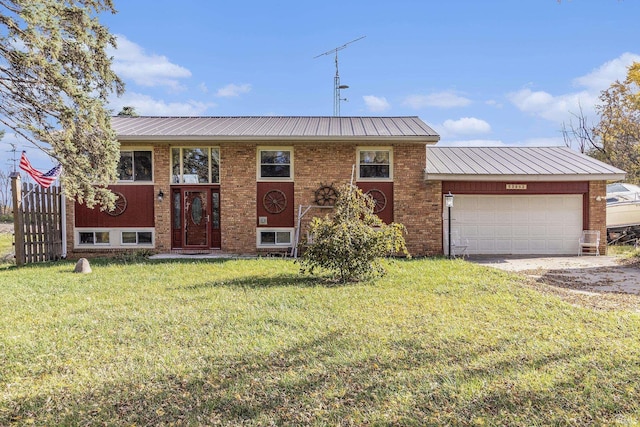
272,237
136,238
94,237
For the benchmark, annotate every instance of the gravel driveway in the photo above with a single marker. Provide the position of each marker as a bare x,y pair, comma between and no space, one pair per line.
587,273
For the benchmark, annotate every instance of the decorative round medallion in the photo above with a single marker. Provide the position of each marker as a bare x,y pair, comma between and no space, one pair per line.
274,201
378,197
120,205
326,195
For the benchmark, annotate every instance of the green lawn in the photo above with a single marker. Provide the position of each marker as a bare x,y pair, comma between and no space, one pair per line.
6,248
251,342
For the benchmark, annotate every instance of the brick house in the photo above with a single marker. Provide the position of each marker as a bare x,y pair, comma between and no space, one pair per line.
247,185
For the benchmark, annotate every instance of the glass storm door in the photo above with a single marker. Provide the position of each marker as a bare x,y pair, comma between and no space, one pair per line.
197,214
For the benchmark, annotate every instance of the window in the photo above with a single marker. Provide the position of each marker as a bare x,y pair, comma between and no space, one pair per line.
136,238
114,237
274,237
375,164
94,237
135,166
195,165
275,164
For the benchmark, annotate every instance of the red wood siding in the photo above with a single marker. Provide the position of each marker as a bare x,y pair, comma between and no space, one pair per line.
138,213
281,219
386,188
480,187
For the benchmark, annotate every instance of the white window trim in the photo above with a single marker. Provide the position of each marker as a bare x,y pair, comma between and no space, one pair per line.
259,164
135,231
290,230
375,148
115,238
92,245
181,147
133,181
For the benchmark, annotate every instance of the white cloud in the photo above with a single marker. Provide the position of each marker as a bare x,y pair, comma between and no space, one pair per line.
445,99
130,61
376,104
466,126
561,108
148,106
557,109
233,90
602,77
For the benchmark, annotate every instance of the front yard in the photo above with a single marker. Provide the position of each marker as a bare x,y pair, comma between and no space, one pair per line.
251,342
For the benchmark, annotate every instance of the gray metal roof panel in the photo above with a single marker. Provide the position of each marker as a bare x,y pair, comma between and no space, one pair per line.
483,163
271,126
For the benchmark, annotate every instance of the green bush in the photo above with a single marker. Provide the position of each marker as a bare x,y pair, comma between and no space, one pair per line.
351,242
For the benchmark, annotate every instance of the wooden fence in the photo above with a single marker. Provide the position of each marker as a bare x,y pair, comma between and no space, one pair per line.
37,222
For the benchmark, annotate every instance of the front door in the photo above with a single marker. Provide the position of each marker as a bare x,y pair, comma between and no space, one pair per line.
197,215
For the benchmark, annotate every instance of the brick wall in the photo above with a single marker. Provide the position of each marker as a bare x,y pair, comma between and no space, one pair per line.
238,197
162,210
417,204
598,211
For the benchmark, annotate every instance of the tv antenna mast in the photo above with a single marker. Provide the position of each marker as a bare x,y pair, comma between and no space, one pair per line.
336,80
13,150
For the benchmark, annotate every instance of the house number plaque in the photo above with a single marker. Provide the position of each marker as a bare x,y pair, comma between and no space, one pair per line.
516,186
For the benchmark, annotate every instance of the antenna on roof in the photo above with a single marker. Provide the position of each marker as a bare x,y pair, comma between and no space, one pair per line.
336,80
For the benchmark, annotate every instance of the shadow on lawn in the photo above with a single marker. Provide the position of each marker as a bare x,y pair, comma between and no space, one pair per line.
311,384
257,282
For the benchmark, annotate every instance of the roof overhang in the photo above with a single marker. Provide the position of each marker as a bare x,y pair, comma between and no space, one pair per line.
168,139
525,178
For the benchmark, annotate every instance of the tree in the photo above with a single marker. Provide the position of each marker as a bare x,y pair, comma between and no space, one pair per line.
128,111
351,242
617,135
55,77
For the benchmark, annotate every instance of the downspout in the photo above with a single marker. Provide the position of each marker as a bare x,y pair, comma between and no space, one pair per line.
63,227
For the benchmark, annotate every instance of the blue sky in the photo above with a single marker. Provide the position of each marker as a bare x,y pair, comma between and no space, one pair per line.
479,72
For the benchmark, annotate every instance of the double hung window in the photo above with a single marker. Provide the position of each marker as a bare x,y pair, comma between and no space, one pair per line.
375,163
275,164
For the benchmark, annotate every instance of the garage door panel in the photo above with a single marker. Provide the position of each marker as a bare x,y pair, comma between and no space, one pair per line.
549,224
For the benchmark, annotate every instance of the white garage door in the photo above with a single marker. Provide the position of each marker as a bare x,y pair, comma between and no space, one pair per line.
549,225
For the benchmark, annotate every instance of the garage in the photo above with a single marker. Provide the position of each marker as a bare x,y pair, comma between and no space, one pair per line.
520,200
517,225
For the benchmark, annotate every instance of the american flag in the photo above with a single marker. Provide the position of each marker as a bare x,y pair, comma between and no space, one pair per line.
44,179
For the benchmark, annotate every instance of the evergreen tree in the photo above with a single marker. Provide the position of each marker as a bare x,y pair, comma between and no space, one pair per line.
55,77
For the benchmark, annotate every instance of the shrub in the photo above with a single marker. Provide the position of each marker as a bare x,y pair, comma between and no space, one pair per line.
351,242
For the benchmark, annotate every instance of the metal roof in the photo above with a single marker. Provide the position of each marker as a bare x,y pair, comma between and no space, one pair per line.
515,163
410,129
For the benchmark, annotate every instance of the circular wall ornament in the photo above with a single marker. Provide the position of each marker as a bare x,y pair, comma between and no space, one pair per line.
120,205
378,197
274,201
326,195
